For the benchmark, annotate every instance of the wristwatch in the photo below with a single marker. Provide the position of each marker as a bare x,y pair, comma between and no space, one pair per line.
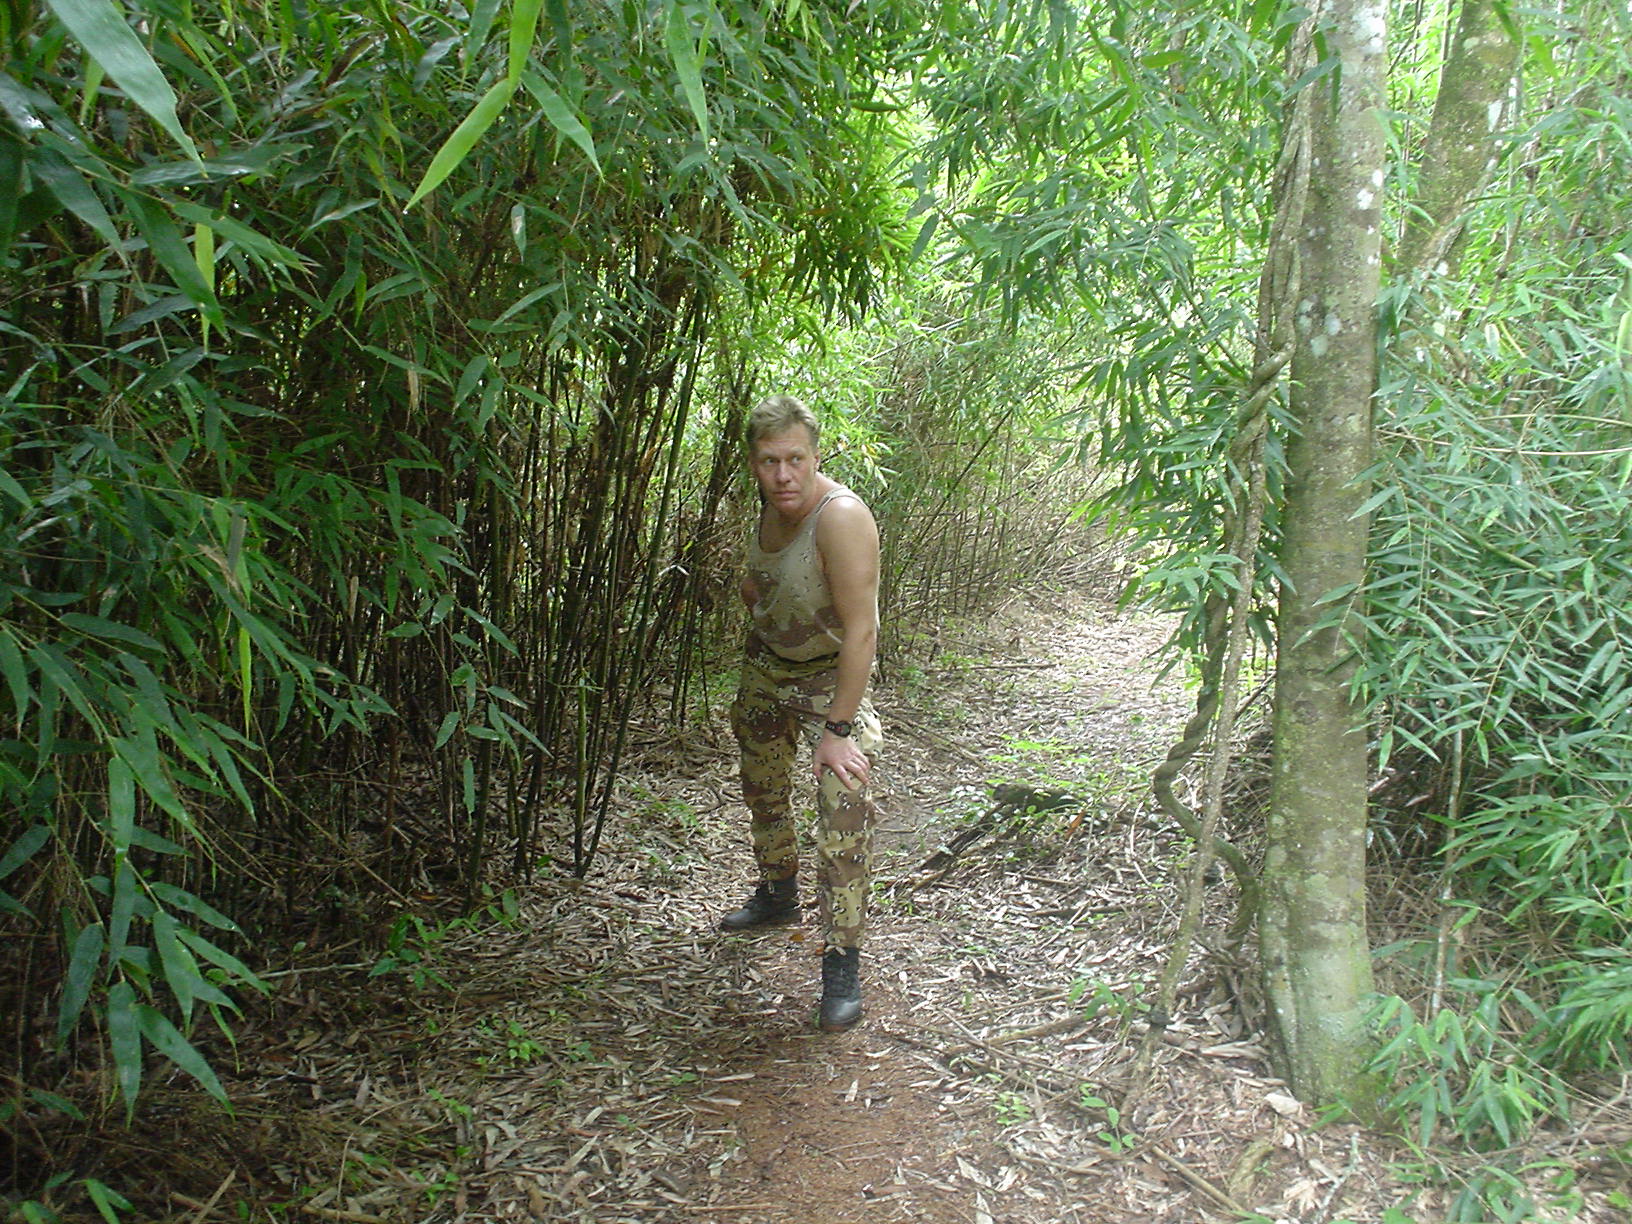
840,729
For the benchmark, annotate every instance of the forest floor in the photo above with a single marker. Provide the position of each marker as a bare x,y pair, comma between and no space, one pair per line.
599,1051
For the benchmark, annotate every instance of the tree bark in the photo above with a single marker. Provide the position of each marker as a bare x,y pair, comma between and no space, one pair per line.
1475,86
1315,955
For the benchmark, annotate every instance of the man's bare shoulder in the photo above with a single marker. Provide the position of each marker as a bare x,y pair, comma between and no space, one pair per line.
846,516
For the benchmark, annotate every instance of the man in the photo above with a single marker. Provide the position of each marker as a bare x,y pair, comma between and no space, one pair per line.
812,592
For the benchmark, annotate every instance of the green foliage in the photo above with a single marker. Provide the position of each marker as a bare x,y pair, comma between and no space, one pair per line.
1463,1071
1012,1108
1096,996
1498,631
1111,1133
1135,153
1495,620
1590,1024
414,945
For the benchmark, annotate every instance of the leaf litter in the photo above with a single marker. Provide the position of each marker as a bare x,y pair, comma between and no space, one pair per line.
607,1055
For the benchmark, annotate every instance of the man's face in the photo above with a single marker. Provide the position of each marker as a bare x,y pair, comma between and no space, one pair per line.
784,464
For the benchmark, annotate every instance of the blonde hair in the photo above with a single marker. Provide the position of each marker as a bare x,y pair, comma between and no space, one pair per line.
776,413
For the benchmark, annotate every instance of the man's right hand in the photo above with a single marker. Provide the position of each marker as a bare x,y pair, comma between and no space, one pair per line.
842,756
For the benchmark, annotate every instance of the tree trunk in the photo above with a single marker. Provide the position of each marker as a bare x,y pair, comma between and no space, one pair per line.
1460,152
1316,959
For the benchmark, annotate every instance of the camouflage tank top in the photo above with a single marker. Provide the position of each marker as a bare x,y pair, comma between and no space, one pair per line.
794,615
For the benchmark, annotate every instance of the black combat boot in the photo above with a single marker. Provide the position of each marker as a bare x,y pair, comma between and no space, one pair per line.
774,902
841,989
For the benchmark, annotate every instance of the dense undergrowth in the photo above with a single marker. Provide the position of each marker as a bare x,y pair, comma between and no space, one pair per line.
371,383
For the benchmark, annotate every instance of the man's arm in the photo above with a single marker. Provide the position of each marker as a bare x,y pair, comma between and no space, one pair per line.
847,538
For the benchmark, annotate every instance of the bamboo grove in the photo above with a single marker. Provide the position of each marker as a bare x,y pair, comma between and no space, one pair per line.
372,378
343,528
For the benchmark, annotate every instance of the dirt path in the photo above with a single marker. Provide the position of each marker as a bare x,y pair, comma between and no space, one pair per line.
1003,993
721,1101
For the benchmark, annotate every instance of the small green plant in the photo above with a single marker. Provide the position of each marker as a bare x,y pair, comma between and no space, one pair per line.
1049,762
1592,1021
1096,995
107,1201
456,1109
446,1183
1111,1134
1493,1195
413,945
519,1048
359,1170
579,1051
1011,1108
410,945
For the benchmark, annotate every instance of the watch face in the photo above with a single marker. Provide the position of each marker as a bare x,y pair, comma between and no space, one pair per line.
840,729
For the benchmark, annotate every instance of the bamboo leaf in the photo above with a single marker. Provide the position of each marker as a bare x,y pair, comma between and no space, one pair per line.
187,902
449,722
10,486
179,968
61,1104
164,240
141,753
204,252
262,159
24,848
11,189
458,146
54,666
523,29
925,232
482,14
246,678
225,960
562,116
125,896
109,1202
167,1040
16,672
687,57
101,28
252,241
101,627
125,1042
74,192
204,257
82,966
524,301
472,374
146,839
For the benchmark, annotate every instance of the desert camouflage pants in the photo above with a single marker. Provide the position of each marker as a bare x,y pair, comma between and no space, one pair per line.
777,705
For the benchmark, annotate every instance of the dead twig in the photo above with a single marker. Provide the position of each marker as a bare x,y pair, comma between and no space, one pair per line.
1194,1179
204,1211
